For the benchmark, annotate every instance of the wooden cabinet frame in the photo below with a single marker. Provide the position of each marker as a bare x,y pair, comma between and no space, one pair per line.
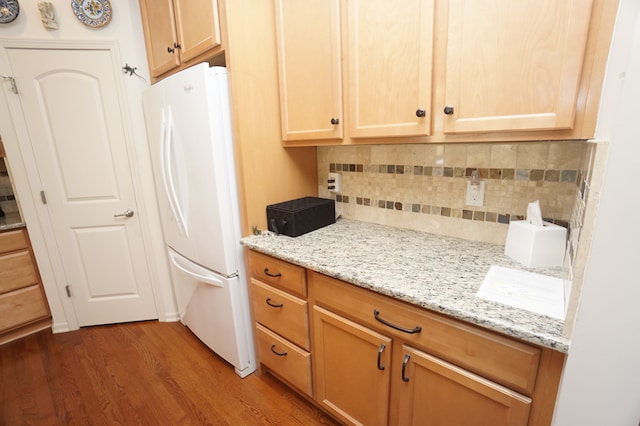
181,33
23,304
573,115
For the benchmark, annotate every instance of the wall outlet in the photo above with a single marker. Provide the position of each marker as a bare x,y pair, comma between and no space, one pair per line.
475,193
334,183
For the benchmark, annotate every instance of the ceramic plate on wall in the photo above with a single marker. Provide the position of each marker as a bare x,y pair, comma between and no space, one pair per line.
9,10
92,13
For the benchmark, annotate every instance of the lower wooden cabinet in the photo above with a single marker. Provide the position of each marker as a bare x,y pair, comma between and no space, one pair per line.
374,360
23,305
431,391
352,369
278,301
287,360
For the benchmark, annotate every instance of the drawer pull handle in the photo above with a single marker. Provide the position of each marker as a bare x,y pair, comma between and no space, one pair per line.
278,353
269,274
417,329
404,367
382,347
273,305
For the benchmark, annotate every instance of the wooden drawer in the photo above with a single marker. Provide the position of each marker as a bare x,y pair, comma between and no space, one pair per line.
17,271
13,240
501,359
22,306
278,273
281,312
294,367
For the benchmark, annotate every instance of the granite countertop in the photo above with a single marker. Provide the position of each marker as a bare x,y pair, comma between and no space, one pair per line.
11,221
436,272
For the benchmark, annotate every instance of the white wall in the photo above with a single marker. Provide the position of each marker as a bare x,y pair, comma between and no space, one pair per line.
601,380
125,29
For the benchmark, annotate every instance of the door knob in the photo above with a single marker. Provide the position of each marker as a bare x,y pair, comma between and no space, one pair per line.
126,213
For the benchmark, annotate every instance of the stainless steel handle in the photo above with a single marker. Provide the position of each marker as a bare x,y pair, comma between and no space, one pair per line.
126,213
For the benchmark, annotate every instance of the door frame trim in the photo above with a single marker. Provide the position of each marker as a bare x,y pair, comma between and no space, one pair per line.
26,180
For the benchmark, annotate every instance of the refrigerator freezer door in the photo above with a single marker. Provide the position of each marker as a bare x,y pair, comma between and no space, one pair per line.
189,130
213,309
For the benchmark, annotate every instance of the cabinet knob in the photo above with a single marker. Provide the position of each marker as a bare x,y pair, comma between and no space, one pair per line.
177,46
448,110
420,112
335,121
170,49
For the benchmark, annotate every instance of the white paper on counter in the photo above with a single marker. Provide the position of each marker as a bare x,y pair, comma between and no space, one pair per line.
525,290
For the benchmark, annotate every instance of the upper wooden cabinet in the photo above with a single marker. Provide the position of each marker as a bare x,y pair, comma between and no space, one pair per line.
389,57
514,65
309,69
388,46
178,31
440,71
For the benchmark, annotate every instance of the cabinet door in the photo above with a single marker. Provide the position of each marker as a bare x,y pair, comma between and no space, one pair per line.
514,65
309,71
159,35
197,24
351,369
434,392
389,67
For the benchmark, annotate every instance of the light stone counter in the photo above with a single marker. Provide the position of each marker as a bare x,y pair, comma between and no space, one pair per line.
11,221
439,273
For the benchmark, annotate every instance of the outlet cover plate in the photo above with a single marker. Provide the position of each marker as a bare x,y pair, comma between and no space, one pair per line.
475,194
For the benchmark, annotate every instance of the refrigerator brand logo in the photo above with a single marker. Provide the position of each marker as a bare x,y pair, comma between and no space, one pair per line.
188,88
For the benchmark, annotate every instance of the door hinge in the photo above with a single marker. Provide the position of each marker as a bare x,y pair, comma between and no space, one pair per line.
14,88
43,197
68,289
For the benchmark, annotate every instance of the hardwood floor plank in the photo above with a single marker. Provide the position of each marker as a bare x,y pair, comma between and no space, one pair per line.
146,373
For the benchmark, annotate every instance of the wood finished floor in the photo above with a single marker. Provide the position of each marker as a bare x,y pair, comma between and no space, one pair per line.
147,373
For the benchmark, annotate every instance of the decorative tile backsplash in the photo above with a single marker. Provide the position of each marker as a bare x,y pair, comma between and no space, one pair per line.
7,197
585,208
423,186
565,176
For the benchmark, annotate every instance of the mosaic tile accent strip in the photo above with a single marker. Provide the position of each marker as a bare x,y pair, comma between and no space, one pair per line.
534,177
477,215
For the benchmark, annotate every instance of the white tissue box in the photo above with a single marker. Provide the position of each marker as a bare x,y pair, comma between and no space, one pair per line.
536,246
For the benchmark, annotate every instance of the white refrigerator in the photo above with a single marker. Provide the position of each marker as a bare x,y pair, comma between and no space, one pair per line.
190,139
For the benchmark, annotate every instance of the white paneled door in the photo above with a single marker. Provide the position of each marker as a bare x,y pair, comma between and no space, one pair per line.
73,111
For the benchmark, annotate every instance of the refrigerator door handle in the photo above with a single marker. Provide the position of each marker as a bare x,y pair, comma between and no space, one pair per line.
195,271
167,176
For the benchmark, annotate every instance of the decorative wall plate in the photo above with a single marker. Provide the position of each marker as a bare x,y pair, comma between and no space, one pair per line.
92,13
9,10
